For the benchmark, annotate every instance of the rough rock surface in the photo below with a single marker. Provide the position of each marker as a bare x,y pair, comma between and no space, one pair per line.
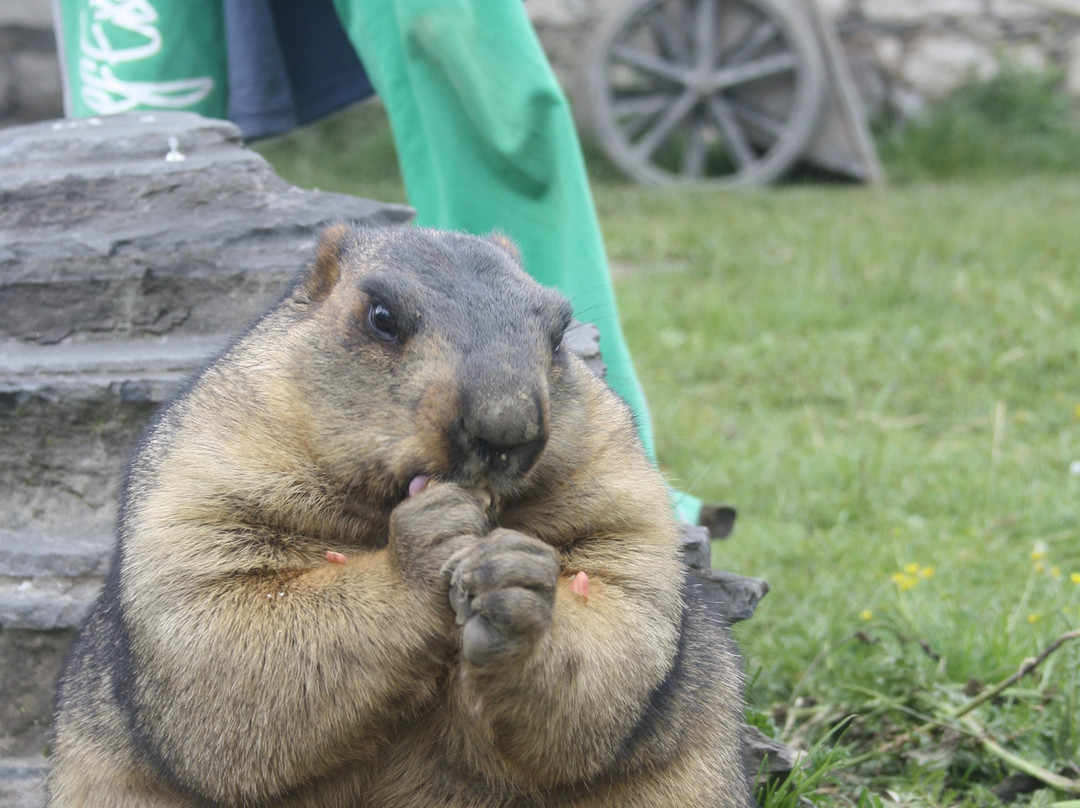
148,224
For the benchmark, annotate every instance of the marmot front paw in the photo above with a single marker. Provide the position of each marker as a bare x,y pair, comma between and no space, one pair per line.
502,590
432,524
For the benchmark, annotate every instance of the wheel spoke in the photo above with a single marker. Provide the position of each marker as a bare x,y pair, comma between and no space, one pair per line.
752,71
641,110
732,133
663,128
693,161
756,119
635,106
751,45
670,39
649,64
705,34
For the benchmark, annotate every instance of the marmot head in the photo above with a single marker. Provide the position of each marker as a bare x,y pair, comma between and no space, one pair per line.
426,353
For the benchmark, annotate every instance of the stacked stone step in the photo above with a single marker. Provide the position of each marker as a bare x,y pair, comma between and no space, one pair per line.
131,249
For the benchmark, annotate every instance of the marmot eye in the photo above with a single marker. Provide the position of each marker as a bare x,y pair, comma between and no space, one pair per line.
382,322
557,337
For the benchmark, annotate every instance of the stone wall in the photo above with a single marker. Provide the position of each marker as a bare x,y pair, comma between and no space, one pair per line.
910,53
905,53
29,76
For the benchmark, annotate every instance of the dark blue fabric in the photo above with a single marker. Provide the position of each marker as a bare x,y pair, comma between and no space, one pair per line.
289,63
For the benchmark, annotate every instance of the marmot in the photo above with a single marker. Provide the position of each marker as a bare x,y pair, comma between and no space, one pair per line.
394,548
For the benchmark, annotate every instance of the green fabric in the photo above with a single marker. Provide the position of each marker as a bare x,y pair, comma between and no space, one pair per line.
127,56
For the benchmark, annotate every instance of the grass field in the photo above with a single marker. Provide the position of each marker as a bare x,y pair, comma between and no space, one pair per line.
884,383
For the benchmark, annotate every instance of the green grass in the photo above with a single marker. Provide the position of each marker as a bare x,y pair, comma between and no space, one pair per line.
350,152
875,378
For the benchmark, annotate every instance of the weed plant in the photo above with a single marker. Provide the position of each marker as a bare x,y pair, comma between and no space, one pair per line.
884,383
1019,121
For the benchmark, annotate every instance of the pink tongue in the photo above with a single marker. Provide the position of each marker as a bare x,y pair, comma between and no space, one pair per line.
417,484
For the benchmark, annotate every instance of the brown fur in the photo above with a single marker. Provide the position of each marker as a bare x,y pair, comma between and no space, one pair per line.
447,662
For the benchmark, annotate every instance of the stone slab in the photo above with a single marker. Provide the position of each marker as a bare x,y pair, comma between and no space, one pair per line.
146,224
29,664
695,546
71,414
86,365
735,596
69,551
45,604
22,782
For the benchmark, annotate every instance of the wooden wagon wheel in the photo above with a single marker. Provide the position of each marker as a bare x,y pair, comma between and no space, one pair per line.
718,92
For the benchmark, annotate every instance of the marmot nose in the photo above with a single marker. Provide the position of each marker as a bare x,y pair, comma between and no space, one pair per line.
507,433
516,458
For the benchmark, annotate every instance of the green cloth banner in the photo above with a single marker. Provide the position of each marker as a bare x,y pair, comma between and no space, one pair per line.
124,55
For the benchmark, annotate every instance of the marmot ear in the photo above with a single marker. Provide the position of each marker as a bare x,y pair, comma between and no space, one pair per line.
321,275
505,243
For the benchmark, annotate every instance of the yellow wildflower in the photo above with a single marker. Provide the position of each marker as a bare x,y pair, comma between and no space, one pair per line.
1033,618
1075,577
910,576
1038,554
1039,566
905,582
865,614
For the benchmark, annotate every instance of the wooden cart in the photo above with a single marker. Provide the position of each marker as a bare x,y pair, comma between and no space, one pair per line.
719,92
